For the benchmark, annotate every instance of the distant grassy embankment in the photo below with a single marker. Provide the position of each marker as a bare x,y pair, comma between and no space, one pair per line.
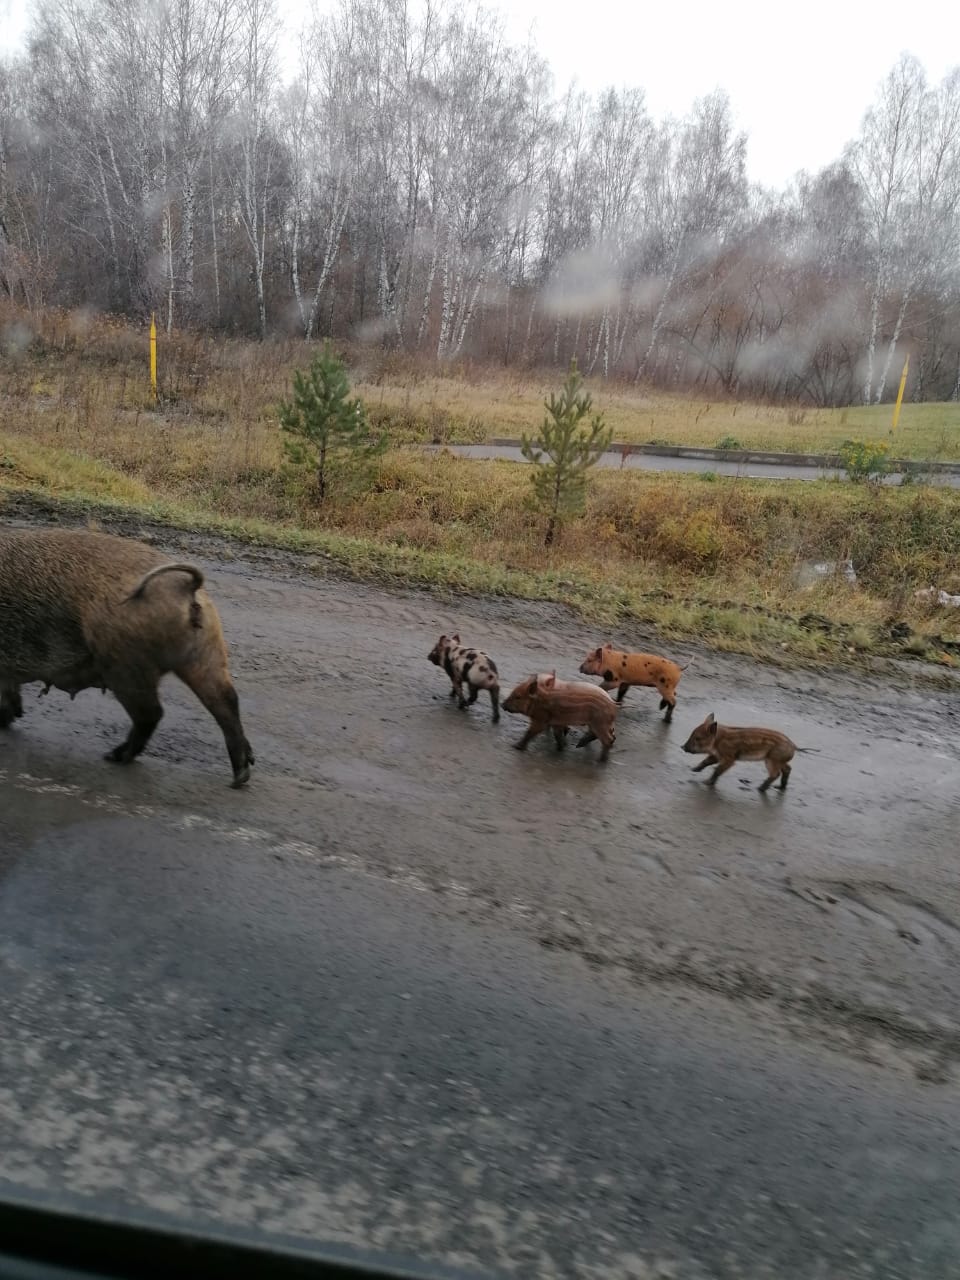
720,561
715,562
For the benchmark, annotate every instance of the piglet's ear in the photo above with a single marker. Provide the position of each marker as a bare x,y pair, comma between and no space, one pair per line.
454,639
549,681
599,653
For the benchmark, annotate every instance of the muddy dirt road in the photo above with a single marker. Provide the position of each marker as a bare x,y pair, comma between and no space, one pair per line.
416,991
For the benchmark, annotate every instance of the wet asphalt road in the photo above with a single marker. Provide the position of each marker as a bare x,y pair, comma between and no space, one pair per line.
413,992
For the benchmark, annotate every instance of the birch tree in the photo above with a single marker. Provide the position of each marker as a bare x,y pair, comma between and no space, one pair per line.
255,139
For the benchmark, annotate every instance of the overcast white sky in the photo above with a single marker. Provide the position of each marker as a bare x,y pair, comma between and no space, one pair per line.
799,76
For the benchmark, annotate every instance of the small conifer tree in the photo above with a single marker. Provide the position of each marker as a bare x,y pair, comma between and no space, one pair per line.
323,423
564,452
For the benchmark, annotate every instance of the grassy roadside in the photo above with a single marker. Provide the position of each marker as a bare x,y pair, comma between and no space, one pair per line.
71,374
712,562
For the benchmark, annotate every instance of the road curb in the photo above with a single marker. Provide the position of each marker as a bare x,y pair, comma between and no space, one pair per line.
754,456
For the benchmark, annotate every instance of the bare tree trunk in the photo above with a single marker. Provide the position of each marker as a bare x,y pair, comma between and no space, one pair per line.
331,249
872,333
658,317
295,267
428,291
111,226
525,353
168,256
187,214
445,314
881,384
213,240
468,315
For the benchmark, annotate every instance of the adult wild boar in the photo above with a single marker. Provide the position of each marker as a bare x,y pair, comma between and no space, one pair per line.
81,610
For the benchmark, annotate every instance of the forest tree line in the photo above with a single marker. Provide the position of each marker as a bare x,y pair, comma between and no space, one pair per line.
417,182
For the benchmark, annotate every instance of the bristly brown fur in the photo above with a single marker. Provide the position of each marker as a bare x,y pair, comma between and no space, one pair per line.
561,704
82,610
724,745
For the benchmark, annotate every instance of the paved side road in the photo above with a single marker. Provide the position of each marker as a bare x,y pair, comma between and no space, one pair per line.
414,992
719,466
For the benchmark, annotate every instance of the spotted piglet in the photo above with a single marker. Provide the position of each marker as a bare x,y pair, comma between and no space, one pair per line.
471,665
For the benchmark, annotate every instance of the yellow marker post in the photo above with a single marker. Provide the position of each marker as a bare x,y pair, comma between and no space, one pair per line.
153,355
903,383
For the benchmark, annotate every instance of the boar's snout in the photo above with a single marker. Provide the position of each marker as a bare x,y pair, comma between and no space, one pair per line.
690,746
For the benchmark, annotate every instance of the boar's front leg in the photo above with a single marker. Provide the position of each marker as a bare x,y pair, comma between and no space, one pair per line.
528,737
139,700
704,763
11,705
721,768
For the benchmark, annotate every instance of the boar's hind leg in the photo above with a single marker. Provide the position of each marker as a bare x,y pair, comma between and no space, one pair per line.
11,706
774,771
220,698
587,737
495,703
560,737
142,705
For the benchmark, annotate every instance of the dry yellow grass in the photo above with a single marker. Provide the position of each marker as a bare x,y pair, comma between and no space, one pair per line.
80,368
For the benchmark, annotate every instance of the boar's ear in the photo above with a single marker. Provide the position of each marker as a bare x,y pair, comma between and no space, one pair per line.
711,722
599,654
454,639
550,680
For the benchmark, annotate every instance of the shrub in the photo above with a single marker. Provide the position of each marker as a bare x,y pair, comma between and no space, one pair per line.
865,460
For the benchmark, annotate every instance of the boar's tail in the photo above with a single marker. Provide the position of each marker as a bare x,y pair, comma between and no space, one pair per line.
195,574
689,663
812,749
